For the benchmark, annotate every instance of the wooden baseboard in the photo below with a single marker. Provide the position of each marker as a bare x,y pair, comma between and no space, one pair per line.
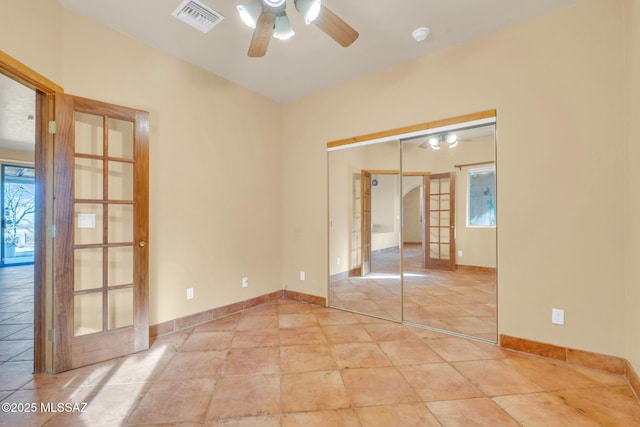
476,268
603,362
218,312
633,378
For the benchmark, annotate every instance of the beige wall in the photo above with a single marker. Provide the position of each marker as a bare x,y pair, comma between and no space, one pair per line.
30,31
632,180
206,133
557,84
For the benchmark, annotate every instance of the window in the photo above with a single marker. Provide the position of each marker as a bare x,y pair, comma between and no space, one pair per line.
481,210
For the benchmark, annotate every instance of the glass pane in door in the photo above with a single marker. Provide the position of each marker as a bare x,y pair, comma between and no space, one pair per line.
89,134
120,223
104,224
120,181
88,182
87,309
120,266
120,308
121,139
88,224
88,268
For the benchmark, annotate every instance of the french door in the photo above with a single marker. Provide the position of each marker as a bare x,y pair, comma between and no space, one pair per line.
365,226
101,229
439,240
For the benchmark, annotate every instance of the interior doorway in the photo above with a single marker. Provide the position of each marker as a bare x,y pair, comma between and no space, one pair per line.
18,232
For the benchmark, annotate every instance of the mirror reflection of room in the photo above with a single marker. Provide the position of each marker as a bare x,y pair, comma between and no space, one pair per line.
449,235
413,229
365,230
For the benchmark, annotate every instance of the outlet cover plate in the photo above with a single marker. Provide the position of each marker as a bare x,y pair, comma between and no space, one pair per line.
557,316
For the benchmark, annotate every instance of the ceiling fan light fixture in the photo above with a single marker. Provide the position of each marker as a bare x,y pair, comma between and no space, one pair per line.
274,3
452,140
250,12
310,9
282,29
434,142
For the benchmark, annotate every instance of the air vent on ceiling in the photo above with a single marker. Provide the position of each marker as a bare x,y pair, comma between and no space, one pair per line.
197,15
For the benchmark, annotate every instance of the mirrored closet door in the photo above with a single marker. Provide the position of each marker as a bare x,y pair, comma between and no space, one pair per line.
412,232
365,208
449,234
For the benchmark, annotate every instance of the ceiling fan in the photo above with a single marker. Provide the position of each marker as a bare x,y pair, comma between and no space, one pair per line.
269,19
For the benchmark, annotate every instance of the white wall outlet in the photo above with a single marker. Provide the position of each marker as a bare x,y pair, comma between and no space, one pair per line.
302,275
245,282
460,254
338,261
557,316
189,293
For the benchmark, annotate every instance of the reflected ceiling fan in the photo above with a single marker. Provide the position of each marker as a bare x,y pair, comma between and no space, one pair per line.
436,141
269,19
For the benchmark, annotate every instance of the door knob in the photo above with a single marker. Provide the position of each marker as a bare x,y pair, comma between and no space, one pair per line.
142,243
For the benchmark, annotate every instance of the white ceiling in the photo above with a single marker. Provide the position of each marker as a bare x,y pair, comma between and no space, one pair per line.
308,62
17,111
311,61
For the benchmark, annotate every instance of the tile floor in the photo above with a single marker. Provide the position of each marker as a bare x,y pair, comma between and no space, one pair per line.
460,301
16,314
293,364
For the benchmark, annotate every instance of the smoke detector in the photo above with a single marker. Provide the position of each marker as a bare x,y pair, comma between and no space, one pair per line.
198,15
420,34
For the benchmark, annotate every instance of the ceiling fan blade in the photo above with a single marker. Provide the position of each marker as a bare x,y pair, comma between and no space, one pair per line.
262,35
335,27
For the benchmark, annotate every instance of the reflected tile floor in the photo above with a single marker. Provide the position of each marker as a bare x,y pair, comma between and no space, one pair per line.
292,364
462,301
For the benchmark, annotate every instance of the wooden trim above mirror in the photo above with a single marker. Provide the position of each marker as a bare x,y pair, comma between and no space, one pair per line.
414,128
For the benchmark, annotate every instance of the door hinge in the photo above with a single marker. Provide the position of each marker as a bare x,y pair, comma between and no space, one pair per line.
51,335
52,127
52,231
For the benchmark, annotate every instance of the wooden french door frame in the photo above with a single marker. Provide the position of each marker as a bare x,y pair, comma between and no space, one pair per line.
74,347
440,205
365,222
43,263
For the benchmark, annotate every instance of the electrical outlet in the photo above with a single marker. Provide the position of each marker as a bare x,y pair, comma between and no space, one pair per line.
302,275
245,282
189,293
460,254
338,261
557,316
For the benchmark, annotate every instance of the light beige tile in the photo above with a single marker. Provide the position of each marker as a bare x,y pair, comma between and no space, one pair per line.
313,391
359,355
543,409
414,415
336,417
470,412
378,386
245,396
439,381
173,401
306,358
495,377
